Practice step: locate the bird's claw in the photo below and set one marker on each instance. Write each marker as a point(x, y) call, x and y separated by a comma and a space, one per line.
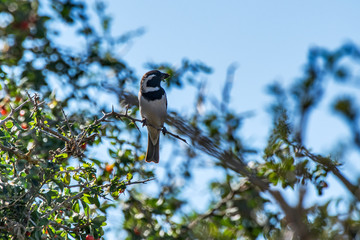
point(163, 130)
point(143, 122)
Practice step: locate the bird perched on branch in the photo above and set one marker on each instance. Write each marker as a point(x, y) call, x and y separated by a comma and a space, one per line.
point(153, 110)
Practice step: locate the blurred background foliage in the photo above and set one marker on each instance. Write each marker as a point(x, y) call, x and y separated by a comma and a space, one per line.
point(53, 188)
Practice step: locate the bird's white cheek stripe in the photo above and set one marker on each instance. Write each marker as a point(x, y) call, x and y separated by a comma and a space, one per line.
point(149, 89)
point(149, 77)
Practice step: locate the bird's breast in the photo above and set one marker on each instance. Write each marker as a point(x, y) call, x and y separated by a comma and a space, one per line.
point(154, 111)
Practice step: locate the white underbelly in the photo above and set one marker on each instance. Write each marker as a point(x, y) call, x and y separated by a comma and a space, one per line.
point(154, 111)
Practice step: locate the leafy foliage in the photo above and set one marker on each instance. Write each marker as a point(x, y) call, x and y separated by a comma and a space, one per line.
point(53, 186)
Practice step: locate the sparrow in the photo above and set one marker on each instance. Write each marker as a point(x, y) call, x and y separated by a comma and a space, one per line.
point(153, 110)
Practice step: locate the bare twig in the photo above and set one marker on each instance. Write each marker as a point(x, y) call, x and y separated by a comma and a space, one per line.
point(140, 181)
point(165, 131)
point(52, 132)
point(106, 116)
point(2, 122)
point(67, 121)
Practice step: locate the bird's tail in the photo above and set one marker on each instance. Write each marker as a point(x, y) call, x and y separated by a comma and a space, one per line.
point(152, 153)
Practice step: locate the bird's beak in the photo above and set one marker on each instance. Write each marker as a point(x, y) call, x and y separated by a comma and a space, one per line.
point(165, 76)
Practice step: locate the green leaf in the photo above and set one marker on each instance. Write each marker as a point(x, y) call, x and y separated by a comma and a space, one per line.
point(105, 206)
point(96, 201)
point(86, 200)
point(67, 178)
point(76, 207)
point(9, 124)
point(43, 221)
point(86, 207)
point(98, 221)
point(62, 155)
point(76, 177)
point(129, 176)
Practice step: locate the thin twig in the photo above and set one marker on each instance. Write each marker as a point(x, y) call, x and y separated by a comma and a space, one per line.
point(165, 131)
point(67, 121)
point(140, 181)
point(105, 117)
point(54, 133)
point(2, 122)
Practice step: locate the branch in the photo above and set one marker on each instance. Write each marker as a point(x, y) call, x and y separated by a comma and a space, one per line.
point(105, 117)
point(205, 144)
point(88, 189)
point(77, 196)
point(165, 131)
point(2, 122)
point(52, 132)
point(208, 146)
point(19, 154)
point(67, 121)
point(140, 181)
point(333, 168)
point(240, 188)
point(74, 229)
point(294, 215)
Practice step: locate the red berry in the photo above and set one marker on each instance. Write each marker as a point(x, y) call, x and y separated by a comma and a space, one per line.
point(24, 126)
point(28, 234)
point(83, 146)
point(109, 168)
point(22, 112)
point(24, 25)
point(90, 237)
point(3, 111)
point(136, 231)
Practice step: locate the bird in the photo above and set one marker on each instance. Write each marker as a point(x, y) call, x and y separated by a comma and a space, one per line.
point(153, 110)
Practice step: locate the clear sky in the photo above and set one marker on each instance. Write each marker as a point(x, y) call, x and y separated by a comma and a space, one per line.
point(269, 41)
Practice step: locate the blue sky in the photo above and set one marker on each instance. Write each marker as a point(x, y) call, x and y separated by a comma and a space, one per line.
point(269, 41)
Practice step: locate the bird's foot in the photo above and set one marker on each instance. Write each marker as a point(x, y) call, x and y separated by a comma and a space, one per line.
point(163, 130)
point(143, 121)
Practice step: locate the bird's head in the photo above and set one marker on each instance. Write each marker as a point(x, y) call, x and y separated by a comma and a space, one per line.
point(151, 80)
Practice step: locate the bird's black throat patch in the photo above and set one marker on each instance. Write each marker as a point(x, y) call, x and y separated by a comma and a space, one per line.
point(154, 82)
point(154, 95)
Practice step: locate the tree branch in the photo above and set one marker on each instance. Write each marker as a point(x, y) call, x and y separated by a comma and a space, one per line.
point(114, 114)
point(19, 154)
point(204, 144)
point(88, 189)
point(2, 122)
point(333, 168)
point(240, 188)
